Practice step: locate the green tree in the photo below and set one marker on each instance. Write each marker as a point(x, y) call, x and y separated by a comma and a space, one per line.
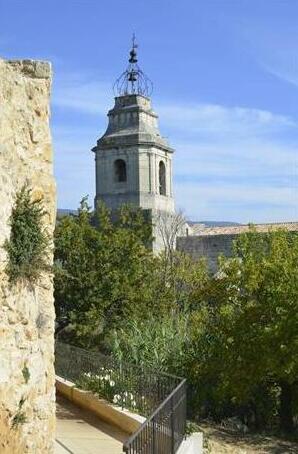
point(233, 335)
point(104, 271)
point(253, 322)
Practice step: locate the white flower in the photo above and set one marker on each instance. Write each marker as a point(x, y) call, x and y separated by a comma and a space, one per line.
point(112, 383)
point(116, 398)
point(134, 404)
point(107, 378)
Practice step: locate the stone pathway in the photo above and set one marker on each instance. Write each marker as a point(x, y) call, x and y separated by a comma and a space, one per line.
point(78, 432)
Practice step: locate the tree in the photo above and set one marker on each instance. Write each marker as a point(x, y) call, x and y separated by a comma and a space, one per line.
point(233, 335)
point(253, 312)
point(168, 226)
point(104, 271)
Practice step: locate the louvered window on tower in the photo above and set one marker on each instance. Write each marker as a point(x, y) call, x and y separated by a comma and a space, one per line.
point(162, 178)
point(120, 171)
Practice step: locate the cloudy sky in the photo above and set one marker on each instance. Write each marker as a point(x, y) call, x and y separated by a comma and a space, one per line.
point(225, 76)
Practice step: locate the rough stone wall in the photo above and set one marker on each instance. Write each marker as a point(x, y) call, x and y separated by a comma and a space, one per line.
point(206, 246)
point(26, 313)
point(210, 245)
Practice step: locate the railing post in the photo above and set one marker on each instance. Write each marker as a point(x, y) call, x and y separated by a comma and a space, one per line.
point(172, 427)
point(153, 437)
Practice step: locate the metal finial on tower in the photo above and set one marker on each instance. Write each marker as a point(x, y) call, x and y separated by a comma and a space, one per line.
point(133, 81)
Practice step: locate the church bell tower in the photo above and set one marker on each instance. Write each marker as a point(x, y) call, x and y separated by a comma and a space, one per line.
point(133, 161)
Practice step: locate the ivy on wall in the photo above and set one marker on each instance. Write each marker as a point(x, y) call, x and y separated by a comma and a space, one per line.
point(28, 245)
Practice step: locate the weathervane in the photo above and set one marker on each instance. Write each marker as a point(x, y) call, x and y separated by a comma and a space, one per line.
point(133, 81)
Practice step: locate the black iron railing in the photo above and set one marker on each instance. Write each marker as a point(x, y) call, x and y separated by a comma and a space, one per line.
point(163, 431)
point(159, 397)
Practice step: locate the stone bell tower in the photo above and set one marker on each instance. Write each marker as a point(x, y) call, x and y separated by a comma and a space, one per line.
point(133, 161)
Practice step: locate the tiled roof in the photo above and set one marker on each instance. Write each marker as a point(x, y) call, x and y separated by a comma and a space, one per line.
point(236, 229)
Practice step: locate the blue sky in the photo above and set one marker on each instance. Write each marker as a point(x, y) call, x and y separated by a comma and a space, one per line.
point(225, 76)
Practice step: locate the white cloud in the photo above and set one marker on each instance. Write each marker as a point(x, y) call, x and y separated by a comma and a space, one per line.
point(232, 163)
point(273, 46)
point(246, 182)
point(259, 158)
point(222, 120)
point(237, 202)
point(75, 92)
point(287, 71)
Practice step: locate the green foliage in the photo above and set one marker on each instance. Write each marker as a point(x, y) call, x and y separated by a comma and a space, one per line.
point(249, 340)
point(119, 390)
point(102, 383)
point(28, 245)
point(18, 419)
point(104, 272)
point(26, 373)
point(158, 343)
point(133, 220)
point(191, 427)
point(22, 401)
point(234, 336)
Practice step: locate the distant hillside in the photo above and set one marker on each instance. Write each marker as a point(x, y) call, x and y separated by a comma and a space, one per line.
point(214, 223)
point(61, 212)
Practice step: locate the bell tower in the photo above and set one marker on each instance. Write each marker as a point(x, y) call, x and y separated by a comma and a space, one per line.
point(133, 161)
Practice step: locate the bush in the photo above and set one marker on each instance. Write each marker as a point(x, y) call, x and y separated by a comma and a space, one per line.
point(28, 245)
point(158, 344)
point(108, 385)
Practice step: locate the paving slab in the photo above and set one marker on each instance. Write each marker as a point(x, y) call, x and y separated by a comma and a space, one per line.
point(79, 432)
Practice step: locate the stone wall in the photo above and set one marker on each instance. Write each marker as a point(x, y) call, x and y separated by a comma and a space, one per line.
point(211, 242)
point(208, 246)
point(27, 399)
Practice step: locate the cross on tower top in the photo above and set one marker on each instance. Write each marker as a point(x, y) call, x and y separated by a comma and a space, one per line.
point(133, 52)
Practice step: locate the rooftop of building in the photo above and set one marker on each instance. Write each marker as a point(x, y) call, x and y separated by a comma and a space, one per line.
point(200, 229)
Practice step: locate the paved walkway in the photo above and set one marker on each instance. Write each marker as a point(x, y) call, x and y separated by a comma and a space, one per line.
point(78, 432)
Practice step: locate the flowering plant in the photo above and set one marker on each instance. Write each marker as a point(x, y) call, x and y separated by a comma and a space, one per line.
point(116, 389)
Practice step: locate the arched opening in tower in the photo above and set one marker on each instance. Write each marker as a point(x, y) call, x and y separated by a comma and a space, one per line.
point(162, 178)
point(120, 171)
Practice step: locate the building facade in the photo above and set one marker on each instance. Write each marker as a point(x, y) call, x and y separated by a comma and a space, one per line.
point(133, 161)
point(134, 166)
point(211, 242)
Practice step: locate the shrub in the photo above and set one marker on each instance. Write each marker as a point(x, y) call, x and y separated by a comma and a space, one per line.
point(26, 373)
point(19, 418)
point(116, 389)
point(28, 245)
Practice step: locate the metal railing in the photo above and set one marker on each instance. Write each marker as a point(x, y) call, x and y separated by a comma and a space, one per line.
point(158, 396)
point(163, 431)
